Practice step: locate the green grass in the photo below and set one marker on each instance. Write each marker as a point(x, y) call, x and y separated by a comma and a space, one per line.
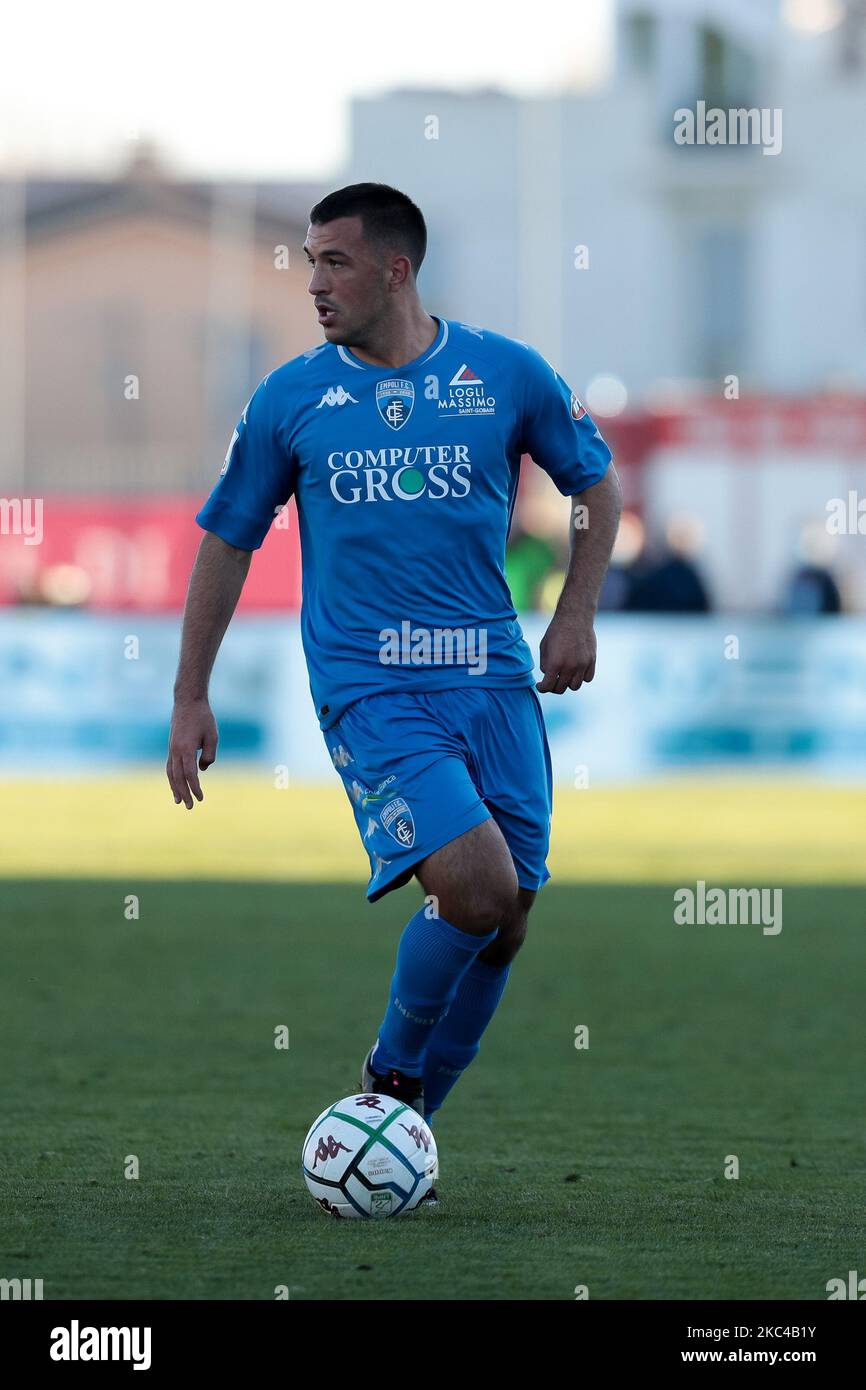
point(558, 1167)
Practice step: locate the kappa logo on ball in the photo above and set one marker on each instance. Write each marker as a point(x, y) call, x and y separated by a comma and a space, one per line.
point(394, 401)
point(373, 1102)
point(577, 410)
point(328, 1148)
point(397, 819)
point(420, 1134)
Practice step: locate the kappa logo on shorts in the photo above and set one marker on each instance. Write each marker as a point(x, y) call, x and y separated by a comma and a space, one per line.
point(341, 756)
point(397, 819)
point(380, 864)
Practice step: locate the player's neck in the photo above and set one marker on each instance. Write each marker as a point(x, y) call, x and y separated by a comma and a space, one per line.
point(399, 342)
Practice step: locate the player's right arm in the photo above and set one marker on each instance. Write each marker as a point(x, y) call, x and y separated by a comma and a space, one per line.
point(256, 481)
point(214, 589)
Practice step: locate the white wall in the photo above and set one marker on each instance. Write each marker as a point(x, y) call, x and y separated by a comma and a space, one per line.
point(509, 188)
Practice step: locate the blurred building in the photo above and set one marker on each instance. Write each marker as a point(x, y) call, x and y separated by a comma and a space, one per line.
point(576, 221)
point(138, 312)
point(173, 284)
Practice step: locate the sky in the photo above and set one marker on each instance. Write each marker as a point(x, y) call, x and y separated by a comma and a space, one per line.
point(261, 89)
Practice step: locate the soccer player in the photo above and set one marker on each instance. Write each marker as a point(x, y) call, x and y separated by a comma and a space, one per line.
point(400, 437)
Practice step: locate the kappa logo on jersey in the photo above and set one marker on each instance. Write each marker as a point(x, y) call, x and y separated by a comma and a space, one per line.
point(397, 819)
point(232, 442)
point(336, 395)
point(394, 401)
point(577, 410)
point(235, 435)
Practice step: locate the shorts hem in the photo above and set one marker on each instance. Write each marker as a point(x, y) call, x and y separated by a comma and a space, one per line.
point(401, 875)
point(536, 884)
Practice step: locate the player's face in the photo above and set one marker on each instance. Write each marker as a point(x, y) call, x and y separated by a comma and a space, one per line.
point(348, 279)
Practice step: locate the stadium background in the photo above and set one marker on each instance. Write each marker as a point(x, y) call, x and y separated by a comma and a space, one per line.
point(709, 306)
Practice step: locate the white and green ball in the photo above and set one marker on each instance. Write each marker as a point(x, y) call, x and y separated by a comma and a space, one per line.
point(369, 1156)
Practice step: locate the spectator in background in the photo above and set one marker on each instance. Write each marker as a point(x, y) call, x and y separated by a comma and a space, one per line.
point(672, 583)
point(529, 560)
point(811, 587)
point(618, 583)
point(537, 553)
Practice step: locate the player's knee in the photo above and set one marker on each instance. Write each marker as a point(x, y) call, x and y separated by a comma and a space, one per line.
point(484, 903)
point(507, 942)
point(490, 913)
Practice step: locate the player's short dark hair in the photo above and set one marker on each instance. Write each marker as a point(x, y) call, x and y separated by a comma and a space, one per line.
point(389, 218)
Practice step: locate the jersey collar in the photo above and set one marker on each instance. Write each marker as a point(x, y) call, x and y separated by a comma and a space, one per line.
point(437, 345)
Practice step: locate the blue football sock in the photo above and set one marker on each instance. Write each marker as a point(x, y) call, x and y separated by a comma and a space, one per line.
point(432, 957)
point(455, 1041)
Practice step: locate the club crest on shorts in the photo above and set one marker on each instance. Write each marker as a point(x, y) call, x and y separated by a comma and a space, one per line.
point(577, 410)
point(394, 401)
point(397, 819)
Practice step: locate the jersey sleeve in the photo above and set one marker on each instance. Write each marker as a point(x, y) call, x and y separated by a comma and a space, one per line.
point(555, 428)
point(257, 478)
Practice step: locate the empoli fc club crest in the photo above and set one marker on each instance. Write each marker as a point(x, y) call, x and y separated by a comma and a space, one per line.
point(397, 819)
point(394, 401)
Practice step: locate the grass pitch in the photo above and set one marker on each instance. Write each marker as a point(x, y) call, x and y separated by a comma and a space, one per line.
point(604, 1167)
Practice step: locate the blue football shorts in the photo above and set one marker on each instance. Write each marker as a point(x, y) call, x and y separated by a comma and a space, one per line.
point(421, 768)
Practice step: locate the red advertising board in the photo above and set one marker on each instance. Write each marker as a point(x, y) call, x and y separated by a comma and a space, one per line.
point(131, 553)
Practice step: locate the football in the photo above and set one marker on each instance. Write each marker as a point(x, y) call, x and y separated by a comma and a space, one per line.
point(369, 1156)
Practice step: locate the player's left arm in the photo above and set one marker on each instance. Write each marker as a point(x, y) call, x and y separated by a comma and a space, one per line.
point(563, 439)
point(568, 648)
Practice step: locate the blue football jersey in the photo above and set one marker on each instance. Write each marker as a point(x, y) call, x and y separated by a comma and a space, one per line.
point(405, 481)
